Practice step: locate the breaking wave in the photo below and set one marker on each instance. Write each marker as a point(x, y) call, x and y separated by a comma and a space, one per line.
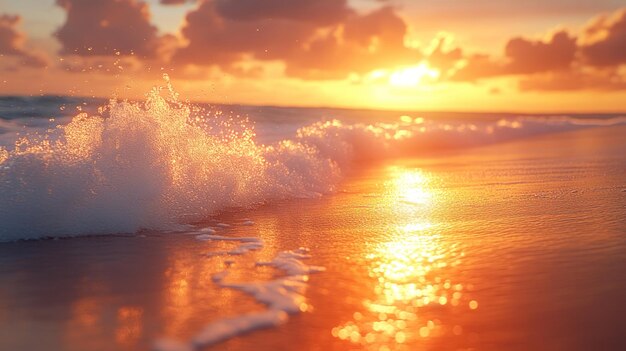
point(162, 162)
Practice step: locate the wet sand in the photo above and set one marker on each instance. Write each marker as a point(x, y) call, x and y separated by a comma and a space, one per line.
point(517, 246)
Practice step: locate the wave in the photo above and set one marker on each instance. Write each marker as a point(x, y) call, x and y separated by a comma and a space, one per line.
point(161, 163)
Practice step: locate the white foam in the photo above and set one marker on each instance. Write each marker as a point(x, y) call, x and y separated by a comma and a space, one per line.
point(246, 244)
point(229, 238)
point(203, 237)
point(292, 263)
point(145, 166)
point(282, 296)
point(245, 247)
point(161, 163)
point(228, 328)
point(286, 293)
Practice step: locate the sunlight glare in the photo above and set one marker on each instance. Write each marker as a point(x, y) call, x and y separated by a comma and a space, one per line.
point(412, 187)
point(413, 76)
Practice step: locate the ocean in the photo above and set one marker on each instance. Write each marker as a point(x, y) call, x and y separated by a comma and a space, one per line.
point(167, 225)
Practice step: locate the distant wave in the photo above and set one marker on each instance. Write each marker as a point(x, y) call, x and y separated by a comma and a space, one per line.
point(159, 163)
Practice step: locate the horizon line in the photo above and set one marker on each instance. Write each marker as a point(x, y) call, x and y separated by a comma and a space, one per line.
point(355, 108)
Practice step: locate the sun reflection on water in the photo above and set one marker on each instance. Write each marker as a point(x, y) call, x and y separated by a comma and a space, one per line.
point(412, 273)
point(130, 325)
point(411, 186)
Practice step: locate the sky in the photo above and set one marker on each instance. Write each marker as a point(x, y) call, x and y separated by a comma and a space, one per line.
point(452, 55)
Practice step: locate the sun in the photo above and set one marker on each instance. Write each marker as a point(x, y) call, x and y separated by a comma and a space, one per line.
point(413, 76)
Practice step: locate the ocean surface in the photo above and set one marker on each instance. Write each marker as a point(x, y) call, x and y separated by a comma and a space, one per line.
point(167, 225)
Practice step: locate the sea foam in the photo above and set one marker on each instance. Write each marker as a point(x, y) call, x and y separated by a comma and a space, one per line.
point(282, 296)
point(162, 163)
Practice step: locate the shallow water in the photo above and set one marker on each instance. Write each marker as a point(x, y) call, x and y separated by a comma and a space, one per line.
point(516, 246)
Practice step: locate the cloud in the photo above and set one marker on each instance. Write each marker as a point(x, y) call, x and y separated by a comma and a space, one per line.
point(215, 40)
point(102, 64)
point(361, 44)
point(318, 39)
point(174, 2)
point(522, 56)
point(534, 56)
point(442, 57)
point(574, 80)
point(326, 39)
point(594, 59)
point(106, 27)
point(10, 39)
point(603, 42)
point(478, 66)
point(12, 42)
point(382, 25)
point(316, 11)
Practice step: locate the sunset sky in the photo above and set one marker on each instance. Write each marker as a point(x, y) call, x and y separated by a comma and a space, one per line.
point(481, 55)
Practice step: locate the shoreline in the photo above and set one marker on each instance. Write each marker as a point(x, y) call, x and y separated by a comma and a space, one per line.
point(506, 224)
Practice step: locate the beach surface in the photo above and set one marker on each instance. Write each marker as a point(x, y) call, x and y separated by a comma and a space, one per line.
point(513, 246)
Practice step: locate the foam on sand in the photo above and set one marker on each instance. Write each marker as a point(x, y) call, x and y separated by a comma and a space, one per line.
point(208, 230)
point(245, 243)
point(225, 329)
point(245, 247)
point(282, 296)
point(286, 293)
point(230, 327)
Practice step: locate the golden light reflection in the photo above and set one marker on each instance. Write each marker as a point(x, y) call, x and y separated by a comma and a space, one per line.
point(129, 325)
point(410, 186)
point(178, 306)
point(412, 274)
point(85, 322)
point(190, 291)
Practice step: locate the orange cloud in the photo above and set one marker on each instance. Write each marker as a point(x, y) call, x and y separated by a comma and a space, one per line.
point(604, 40)
point(478, 66)
point(174, 2)
point(12, 42)
point(593, 60)
point(317, 11)
point(523, 56)
point(315, 39)
point(215, 40)
point(574, 80)
point(318, 40)
point(442, 58)
point(107, 27)
point(362, 43)
point(529, 56)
